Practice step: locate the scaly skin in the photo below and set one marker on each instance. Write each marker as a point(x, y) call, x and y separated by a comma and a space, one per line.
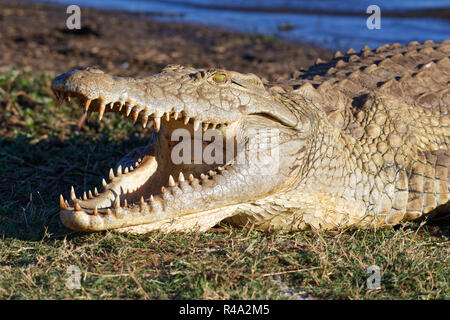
point(362, 140)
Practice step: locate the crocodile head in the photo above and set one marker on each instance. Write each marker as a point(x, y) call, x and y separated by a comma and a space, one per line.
point(195, 170)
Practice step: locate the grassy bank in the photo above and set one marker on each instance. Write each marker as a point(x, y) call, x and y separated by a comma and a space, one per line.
point(43, 152)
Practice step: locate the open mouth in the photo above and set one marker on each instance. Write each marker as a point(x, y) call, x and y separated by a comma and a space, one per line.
point(147, 176)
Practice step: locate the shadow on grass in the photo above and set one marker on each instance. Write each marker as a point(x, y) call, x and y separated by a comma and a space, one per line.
point(35, 173)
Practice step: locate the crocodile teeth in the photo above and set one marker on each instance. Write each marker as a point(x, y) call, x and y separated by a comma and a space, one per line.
point(104, 182)
point(76, 206)
point(144, 121)
point(125, 203)
point(101, 111)
point(128, 111)
point(119, 170)
point(168, 116)
point(171, 181)
point(181, 177)
point(117, 203)
point(135, 116)
point(73, 196)
point(205, 126)
point(111, 174)
point(90, 194)
point(157, 124)
point(176, 115)
point(203, 176)
point(142, 201)
point(108, 211)
point(62, 204)
point(96, 191)
point(95, 211)
point(87, 104)
point(84, 196)
point(197, 125)
point(191, 177)
point(163, 190)
point(186, 120)
point(126, 170)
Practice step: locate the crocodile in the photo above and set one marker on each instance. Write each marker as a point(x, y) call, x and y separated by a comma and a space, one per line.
point(361, 140)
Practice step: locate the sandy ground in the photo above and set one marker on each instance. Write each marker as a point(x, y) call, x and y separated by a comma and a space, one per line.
point(35, 36)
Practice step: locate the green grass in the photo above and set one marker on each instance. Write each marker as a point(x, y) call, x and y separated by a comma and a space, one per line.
point(42, 153)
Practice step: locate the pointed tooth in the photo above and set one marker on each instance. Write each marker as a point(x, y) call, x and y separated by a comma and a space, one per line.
point(117, 202)
point(203, 176)
point(120, 106)
point(163, 190)
point(90, 194)
point(151, 198)
point(168, 116)
point(214, 126)
point(111, 105)
point(62, 204)
point(101, 111)
point(76, 206)
point(128, 111)
point(211, 173)
point(68, 97)
point(220, 168)
point(181, 177)
point(144, 121)
point(126, 170)
point(73, 196)
point(95, 211)
point(142, 201)
point(111, 174)
point(136, 164)
point(104, 182)
point(176, 115)
point(131, 168)
point(157, 124)
point(84, 196)
point(171, 181)
point(96, 191)
point(119, 170)
point(197, 125)
point(125, 203)
point(135, 116)
point(87, 104)
point(205, 126)
point(186, 120)
point(108, 211)
point(191, 177)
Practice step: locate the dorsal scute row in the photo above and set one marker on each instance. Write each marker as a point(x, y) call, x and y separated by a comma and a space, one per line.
point(415, 74)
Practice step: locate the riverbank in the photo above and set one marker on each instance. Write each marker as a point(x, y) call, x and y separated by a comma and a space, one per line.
point(34, 36)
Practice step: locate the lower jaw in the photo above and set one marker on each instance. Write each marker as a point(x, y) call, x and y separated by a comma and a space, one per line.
point(150, 177)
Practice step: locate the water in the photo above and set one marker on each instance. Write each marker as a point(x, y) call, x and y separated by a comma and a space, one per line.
point(335, 24)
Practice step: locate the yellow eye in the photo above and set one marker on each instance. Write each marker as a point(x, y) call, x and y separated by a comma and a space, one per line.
point(220, 78)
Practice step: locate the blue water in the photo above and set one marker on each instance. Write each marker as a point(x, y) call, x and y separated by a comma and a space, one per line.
point(335, 31)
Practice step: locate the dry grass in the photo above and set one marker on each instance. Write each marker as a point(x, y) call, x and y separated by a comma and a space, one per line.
point(42, 154)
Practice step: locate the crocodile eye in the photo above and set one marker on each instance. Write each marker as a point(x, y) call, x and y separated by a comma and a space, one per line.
point(220, 78)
